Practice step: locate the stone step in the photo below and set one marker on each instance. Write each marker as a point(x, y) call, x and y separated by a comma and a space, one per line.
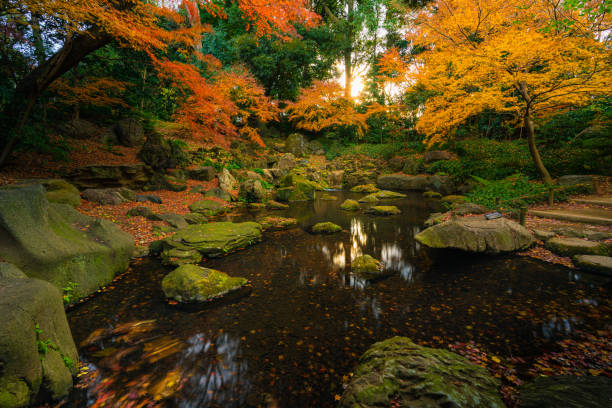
point(585, 215)
point(595, 263)
point(602, 201)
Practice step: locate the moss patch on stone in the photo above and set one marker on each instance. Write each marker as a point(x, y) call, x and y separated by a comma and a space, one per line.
point(384, 210)
point(208, 208)
point(370, 198)
point(326, 228)
point(366, 267)
point(350, 205)
point(365, 188)
point(191, 283)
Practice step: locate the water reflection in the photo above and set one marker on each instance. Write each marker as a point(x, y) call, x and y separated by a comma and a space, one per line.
point(392, 256)
point(216, 374)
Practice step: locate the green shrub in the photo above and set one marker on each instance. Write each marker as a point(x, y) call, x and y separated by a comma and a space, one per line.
point(510, 192)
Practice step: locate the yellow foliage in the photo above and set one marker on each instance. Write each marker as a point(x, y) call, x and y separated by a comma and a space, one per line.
point(519, 56)
point(323, 106)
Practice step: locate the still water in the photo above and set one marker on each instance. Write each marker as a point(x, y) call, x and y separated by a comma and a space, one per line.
point(296, 337)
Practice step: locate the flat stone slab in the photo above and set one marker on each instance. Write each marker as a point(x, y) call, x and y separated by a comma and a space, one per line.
point(595, 263)
point(587, 215)
point(595, 200)
point(575, 246)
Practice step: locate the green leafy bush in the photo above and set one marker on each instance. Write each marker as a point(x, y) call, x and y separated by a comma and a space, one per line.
point(510, 192)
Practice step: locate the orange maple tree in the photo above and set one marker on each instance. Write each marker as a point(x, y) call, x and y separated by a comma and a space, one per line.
point(88, 25)
point(531, 58)
point(323, 106)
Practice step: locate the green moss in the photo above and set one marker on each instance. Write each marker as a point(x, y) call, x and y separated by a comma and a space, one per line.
point(208, 208)
point(190, 283)
point(326, 228)
point(389, 194)
point(384, 210)
point(432, 194)
point(371, 198)
point(328, 197)
point(14, 393)
point(366, 267)
point(350, 205)
point(365, 188)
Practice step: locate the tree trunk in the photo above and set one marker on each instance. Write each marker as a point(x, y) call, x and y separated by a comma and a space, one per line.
point(30, 88)
point(348, 52)
point(535, 154)
point(528, 125)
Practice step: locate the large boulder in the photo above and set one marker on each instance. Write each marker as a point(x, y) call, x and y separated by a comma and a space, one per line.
point(398, 372)
point(161, 154)
point(56, 243)
point(206, 173)
point(129, 132)
point(286, 162)
point(99, 176)
point(79, 129)
point(296, 188)
point(566, 391)
point(477, 235)
point(37, 354)
point(297, 145)
point(350, 205)
point(404, 182)
point(252, 191)
point(227, 182)
point(191, 283)
point(209, 240)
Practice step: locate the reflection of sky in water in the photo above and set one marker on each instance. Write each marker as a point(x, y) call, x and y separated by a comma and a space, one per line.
point(558, 325)
point(217, 376)
point(392, 256)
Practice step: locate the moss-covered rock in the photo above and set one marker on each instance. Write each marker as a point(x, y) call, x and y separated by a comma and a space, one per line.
point(326, 228)
point(365, 188)
point(370, 198)
point(252, 191)
point(413, 376)
point(567, 392)
point(191, 283)
point(61, 192)
point(383, 210)
point(576, 246)
point(195, 218)
point(208, 208)
point(275, 205)
point(477, 235)
point(37, 353)
point(218, 193)
point(453, 199)
point(385, 194)
point(277, 223)
point(350, 205)
point(56, 243)
point(297, 188)
point(210, 240)
point(366, 267)
point(432, 194)
point(297, 145)
point(327, 197)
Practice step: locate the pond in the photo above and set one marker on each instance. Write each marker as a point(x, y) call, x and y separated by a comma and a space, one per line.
point(297, 336)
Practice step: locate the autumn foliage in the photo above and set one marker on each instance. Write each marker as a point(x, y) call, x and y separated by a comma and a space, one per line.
point(531, 58)
point(323, 106)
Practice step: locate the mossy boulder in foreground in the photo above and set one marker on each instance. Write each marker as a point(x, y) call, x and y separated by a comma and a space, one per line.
point(326, 228)
point(413, 376)
point(56, 243)
point(37, 353)
point(192, 284)
point(473, 234)
point(212, 240)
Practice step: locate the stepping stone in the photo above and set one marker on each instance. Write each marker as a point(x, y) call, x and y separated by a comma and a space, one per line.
point(586, 215)
point(366, 267)
point(595, 200)
point(595, 263)
point(543, 235)
point(350, 205)
point(576, 246)
point(326, 228)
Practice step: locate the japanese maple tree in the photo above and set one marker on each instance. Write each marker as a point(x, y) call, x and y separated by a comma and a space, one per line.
point(532, 58)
